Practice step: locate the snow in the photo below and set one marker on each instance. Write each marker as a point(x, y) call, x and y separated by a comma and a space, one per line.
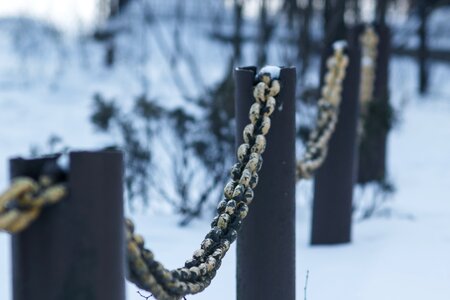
point(273, 71)
point(63, 162)
point(367, 61)
point(339, 45)
point(402, 253)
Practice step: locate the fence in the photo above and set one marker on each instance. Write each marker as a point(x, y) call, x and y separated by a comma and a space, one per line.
point(75, 250)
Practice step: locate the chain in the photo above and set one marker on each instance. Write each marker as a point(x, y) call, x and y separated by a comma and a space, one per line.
point(327, 115)
point(22, 203)
point(199, 270)
point(369, 42)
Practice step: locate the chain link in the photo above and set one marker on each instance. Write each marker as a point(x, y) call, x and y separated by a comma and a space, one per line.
point(327, 114)
point(23, 202)
point(369, 43)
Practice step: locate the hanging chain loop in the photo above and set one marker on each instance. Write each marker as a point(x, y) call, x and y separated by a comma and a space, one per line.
point(327, 114)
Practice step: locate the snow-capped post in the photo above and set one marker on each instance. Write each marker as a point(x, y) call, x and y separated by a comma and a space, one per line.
point(372, 165)
point(266, 242)
point(333, 184)
point(75, 249)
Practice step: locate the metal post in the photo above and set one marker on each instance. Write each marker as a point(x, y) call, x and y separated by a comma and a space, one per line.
point(372, 159)
point(333, 185)
point(266, 243)
point(75, 250)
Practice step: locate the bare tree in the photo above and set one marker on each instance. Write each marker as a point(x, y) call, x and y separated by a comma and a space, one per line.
point(423, 46)
point(304, 41)
point(266, 28)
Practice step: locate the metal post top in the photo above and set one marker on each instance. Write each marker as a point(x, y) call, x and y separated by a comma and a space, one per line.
point(105, 151)
point(58, 164)
point(253, 69)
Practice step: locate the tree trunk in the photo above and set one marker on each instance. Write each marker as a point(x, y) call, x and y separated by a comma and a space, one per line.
point(117, 6)
point(423, 47)
point(237, 37)
point(380, 13)
point(304, 41)
point(264, 34)
point(334, 29)
point(291, 8)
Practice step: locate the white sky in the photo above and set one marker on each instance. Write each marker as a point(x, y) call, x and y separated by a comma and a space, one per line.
point(69, 14)
point(76, 15)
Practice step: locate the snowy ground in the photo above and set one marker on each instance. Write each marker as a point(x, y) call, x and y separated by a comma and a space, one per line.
point(401, 255)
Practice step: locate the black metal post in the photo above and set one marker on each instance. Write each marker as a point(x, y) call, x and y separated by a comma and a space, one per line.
point(333, 185)
point(266, 243)
point(75, 250)
point(372, 155)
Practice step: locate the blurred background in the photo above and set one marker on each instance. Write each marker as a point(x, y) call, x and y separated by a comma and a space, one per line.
point(155, 78)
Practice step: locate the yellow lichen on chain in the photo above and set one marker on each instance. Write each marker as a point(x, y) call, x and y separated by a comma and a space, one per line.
point(22, 203)
point(327, 115)
point(22, 220)
point(369, 43)
point(18, 187)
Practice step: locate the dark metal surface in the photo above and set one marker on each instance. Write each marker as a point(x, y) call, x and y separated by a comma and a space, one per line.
point(381, 92)
point(75, 250)
point(266, 242)
point(333, 185)
point(372, 165)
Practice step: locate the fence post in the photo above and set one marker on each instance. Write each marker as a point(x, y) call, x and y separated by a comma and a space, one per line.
point(75, 250)
point(266, 243)
point(372, 159)
point(333, 185)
